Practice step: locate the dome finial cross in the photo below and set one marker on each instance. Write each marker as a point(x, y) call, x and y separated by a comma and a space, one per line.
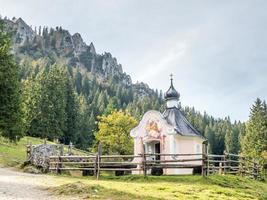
point(172, 96)
point(171, 75)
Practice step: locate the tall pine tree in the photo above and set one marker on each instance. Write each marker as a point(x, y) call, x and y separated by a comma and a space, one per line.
point(10, 104)
point(71, 111)
point(51, 120)
point(254, 142)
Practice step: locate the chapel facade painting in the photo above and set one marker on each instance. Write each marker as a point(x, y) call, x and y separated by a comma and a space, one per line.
point(167, 133)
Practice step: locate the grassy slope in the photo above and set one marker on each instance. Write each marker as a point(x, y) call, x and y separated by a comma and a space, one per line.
point(136, 187)
point(15, 154)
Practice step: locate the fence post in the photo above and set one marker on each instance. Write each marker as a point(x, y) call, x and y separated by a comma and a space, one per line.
point(58, 170)
point(208, 163)
point(144, 161)
point(255, 174)
point(144, 164)
point(99, 152)
point(95, 165)
point(204, 159)
point(220, 168)
point(70, 148)
point(241, 167)
point(224, 163)
point(60, 159)
point(258, 169)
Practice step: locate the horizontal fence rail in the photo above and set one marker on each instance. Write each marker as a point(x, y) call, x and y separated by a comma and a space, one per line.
point(146, 163)
point(208, 164)
point(232, 164)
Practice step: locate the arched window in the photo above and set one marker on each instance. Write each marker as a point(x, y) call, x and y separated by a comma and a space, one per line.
point(173, 145)
point(198, 148)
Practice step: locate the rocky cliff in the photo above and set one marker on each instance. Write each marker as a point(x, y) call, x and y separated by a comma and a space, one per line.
point(59, 44)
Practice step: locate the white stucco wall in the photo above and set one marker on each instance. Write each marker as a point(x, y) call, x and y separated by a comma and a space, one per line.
point(185, 145)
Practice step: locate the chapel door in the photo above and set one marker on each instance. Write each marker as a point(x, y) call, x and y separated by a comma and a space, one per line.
point(157, 150)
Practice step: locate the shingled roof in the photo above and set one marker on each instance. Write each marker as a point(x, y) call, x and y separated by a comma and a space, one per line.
point(175, 118)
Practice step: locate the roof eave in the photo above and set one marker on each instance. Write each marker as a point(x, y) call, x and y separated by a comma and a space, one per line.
point(189, 135)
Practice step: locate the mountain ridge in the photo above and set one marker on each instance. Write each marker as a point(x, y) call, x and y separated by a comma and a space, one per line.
point(59, 44)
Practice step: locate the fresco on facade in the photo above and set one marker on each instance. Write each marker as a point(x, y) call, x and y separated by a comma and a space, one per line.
point(153, 129)
point(152, 126)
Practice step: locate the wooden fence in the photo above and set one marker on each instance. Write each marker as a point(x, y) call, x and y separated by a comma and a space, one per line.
point(206, 164)
point(233, 164)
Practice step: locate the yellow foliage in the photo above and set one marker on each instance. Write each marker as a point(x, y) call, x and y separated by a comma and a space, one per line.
point(114, 132)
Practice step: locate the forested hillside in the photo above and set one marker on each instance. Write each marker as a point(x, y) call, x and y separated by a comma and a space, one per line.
point(66, 84)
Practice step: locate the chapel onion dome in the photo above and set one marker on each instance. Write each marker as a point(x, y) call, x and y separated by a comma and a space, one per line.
point(171, 93)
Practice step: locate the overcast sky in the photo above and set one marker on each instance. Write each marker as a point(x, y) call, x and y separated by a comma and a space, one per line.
point(217, 50)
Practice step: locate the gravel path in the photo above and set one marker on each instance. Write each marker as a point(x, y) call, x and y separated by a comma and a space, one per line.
point(18, 185)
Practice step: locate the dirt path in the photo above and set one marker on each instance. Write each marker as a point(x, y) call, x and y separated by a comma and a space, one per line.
point(18, 185)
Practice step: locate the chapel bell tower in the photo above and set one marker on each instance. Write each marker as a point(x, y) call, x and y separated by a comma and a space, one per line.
point(172, 96)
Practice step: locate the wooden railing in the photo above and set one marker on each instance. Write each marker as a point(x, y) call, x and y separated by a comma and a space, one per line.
point(93, 164)
point(142, 163)
point(233, 164)
point(206, 164)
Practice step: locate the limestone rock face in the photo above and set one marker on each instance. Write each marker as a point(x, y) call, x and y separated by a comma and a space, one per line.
point(127, 80)
point(142, 89)
point(110, 65)
point(24, 30)
point(63, 43)
point(21, 33)
point(40, 155)
point(92, 48)
point(78, 44)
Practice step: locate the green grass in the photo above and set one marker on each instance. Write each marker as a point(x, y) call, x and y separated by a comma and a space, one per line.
point(95, 191)
point(136, 186)
point(163, 187)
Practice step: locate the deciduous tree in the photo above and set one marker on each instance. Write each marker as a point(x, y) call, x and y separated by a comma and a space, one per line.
point(114, 132)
